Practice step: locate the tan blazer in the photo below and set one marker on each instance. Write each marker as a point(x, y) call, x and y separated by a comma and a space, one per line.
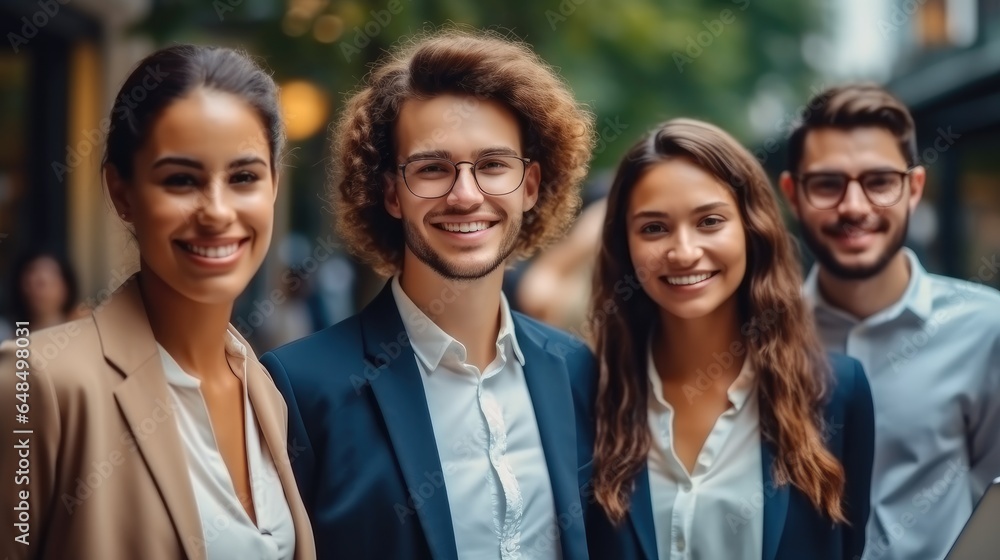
point(103, 474)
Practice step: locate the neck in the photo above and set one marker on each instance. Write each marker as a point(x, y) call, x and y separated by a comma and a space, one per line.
point(864, 298)
point(689, 347)
point(468, 310)
point(193, 333)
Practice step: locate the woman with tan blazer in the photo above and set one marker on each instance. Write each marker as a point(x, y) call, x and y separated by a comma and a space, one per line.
point(149, 430)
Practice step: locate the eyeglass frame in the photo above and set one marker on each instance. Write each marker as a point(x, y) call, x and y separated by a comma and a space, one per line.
point(904, 175)
point(524, 173)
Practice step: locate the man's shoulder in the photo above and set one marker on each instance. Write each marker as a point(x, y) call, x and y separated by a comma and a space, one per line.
point(968, 299)
point(336, 344)
point(555, 340)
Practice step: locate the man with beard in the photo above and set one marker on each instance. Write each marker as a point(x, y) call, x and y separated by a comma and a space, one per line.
point(436, 423)
point(930, 344)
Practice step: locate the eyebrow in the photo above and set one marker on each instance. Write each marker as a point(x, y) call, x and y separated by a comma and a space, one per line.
point(189, 162)
point(476, 154)
point(698, 210)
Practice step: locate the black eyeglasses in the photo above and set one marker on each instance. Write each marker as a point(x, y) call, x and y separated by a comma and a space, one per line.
point(435, 177)
point(826, 189)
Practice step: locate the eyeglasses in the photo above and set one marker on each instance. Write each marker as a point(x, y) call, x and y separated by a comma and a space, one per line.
point(435, 177)
point(825, 190)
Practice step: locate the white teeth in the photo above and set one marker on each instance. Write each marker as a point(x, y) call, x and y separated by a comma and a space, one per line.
point(687, 280)
point(213, 252)
point(465, 227)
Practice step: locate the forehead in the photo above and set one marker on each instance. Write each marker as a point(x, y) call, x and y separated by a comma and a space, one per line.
point(851, 150)
point(458, 124)
point(206, 123)
point(677, 186)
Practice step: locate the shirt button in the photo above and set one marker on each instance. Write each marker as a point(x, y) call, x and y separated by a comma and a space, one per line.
point(686, 486)
point(510, 546)
point(679, 543)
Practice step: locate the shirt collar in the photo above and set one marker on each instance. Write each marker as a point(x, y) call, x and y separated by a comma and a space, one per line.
point(236, 352)
point(430, 343)
point(918, 297)
point(739, 391)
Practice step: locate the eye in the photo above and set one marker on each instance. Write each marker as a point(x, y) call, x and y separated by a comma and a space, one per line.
point(653, 228)
point(243, 177)
point(712, 221)
point(180, 180)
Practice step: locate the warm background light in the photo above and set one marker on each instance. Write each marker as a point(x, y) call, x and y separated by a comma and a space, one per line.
point(305, 108)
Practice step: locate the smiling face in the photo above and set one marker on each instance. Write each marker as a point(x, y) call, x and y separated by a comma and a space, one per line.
point(202, 196)
point(466, 234)
point(686, 239)
point(854, 239)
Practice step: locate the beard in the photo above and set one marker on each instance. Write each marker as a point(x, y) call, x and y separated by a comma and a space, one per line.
point(828, 260)
point(419, 246)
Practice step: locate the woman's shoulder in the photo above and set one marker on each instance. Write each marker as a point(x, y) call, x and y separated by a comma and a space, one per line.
point(60, 354)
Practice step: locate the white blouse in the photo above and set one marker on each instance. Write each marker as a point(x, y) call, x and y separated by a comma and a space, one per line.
point(227, 530)
point(716, 511)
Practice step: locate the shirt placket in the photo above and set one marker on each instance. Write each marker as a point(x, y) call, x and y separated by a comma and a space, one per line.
point(507, 525)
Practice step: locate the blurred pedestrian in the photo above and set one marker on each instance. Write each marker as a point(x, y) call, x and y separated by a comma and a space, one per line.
point(722, 428)
point(930, 344)
point(154, 432)
point(44, 290)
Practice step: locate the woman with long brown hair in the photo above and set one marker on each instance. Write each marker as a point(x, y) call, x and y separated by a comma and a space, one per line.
point(722, 430)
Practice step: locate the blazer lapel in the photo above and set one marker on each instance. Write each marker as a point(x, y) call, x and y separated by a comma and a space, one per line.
point(641, 515)
point(399, 391)
point(551, 398)
point(775, 504)
point(128, 344)
point(269, 410)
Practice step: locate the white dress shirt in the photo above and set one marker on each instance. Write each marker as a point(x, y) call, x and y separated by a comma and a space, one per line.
point(494, 468)
point(228, 531)
point(715, 512)
point(933, 362)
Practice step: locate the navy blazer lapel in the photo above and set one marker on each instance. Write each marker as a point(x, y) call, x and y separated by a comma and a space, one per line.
point(641, 514)
point(399, 390)
point(775, 503)
point(551, 398)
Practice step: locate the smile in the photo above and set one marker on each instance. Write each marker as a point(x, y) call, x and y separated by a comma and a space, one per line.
point(464, 227)
point(689, 280)
point(219, 252)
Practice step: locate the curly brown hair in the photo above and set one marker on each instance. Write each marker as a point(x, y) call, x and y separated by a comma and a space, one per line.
point(794, 377)
point(557, 133)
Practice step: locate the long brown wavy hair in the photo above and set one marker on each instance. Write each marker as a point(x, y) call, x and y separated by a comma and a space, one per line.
point(793, 374)
point(556, 131)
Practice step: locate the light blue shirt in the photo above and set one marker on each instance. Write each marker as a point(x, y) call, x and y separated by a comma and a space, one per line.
point(933, 361)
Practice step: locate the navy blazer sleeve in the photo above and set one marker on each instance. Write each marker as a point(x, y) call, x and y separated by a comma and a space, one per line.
point(858, 456)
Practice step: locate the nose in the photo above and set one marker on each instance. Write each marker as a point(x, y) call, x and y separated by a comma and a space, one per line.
point(855, 202)
point(215, 210)
point(465, 194)
point(683, 251)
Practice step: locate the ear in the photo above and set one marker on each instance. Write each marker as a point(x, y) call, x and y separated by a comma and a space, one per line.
point(918, 179)
point(275, 181)
point(391, 197)
point(118, 189)
point(787, 184)
point(532, 180)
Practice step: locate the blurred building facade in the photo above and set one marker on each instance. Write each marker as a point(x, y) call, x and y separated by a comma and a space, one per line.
point(59, 72)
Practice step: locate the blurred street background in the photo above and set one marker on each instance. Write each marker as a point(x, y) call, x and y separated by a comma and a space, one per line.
point(746, 65)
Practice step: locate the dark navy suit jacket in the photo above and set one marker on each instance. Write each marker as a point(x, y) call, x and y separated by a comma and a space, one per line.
point(793, 528)
point(362, 445)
